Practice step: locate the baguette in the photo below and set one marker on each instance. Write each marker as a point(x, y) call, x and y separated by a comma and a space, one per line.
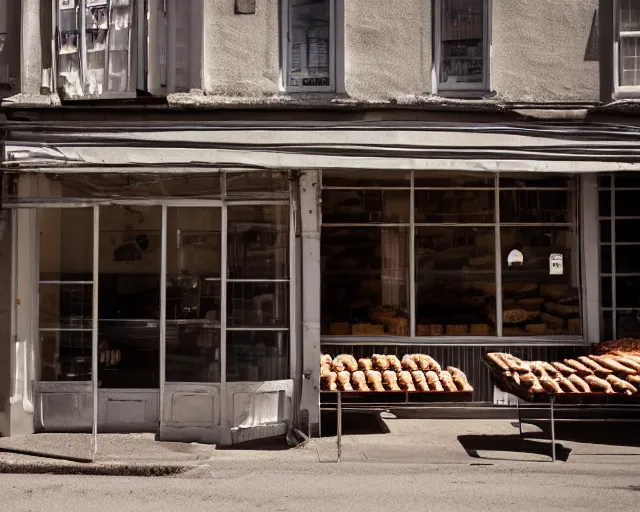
point(419, 380)
point(433, 381)
point(531, 382)
point(497, 360)
point(390, 380)
point(579, 383)
point(566, 384)
point(447, 381)
point(539, 369)
point(550, 385)
point(614, 365)
point(365, 364)
point(598, 383)
point(394, 363)
point(627, 361)
point(634, 379)
point(622, 385)
point(590, 363)
point(515, 364)
point(550, 369)
point(459, 379)
point(563, 368)
point(578, 366)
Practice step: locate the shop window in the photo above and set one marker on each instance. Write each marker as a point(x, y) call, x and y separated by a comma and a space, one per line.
point(309, 44)
point(65, 293)
point(258, 293)
point(102, 51)
point(619, 252)
point(472, 236)
point(627, 46)
point(462, 48)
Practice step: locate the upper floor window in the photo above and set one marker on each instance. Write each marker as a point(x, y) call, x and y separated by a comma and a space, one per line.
point(9, 47)
point(309, 45)
point(627, 46)
point(462, 54)
point(116, 48)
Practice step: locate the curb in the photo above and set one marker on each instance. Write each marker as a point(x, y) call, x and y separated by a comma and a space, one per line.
point(94, 469)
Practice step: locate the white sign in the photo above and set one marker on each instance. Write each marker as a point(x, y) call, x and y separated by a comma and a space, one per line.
point(556, 264)
point(515, 258)
point(67, 4)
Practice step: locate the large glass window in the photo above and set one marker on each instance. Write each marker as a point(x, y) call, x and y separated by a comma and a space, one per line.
point(463, 45)
point(619, 252)
point(467, 238)
point(310, 44)
point(65, 293)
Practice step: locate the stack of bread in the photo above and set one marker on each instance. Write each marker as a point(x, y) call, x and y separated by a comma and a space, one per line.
point(415, 372)
point(610, 373)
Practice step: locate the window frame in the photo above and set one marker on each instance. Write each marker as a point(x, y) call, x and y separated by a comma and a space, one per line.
point(578, 267)
point(285, 51)
point(622, 91)
point(461, 89)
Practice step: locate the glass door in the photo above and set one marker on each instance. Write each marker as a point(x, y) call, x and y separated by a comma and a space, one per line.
point(193, 295)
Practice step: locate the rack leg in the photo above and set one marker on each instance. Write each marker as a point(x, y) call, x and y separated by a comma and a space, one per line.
point(519, 416)
point(553, 430)
point(339, 433)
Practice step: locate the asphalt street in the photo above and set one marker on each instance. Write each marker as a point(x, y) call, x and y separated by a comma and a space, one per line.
point(356, 486)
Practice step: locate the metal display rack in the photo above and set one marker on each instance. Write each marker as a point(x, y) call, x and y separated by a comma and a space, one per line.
point(608, 402)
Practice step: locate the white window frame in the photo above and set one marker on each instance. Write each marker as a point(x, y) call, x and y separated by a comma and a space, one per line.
point(624, 91)
point(285, 37)
point(462, 88)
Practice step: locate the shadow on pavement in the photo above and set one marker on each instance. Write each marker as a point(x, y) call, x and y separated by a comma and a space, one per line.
point(605, 433)
point(353, 424)
point(510, 443)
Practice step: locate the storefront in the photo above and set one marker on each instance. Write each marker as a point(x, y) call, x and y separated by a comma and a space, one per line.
point(175, 291)
point(186, 280)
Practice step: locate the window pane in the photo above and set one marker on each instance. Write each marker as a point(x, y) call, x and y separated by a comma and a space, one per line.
point(628, 203)
point(365, 271)
point(455, 206)
point(455, 281)
point(627, 324)
point(258, 305)
point(605, 259)
point(357, 178)
point(257, 182)
point(129, 289)
point(258, 242)
point(605, 231)
point(365, 206)
point(193, 352)
point(65, 304)
point(627, 258)
point(462, 54)
point(604, 202)
point(256, 356)
point(539, 298)
point(628, 180)
point(534, 206)
point(604, 180)
point(628, 292)
point(627, 231)
point(607, 325)
point(629, 61)
point(310, 34)
point(606, 292)
point(629, 15)
point(459, 180)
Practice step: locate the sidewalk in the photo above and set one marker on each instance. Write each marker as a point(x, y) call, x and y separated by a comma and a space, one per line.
point(468, 442)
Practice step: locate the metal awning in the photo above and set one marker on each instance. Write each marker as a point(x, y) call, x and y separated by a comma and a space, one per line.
point(390, 146)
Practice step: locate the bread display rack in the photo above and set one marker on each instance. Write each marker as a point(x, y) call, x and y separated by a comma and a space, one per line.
point(609, 379)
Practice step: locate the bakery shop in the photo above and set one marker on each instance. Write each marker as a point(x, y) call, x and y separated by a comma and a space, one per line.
point(188, 282)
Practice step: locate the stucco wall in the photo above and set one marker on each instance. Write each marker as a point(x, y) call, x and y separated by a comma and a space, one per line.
point(6, 345)
point(387, 48)
point(241, 52)
point(540, 51)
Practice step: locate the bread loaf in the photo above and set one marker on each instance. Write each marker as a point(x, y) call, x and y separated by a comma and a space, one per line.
point(405, 381)
point(531, 381)
point(325, 359)
point(578, 366)
point(479, 329)
point(374, 380)
point(328, 382)
point(561, 367)
point(621, 385)
point(614, 365)
point(365, 364)
point(626, 361)
point(457, 330)
point(429, 330)
point(459, 379)
point(408, 363)
point(325, 369)
point(390, 380)
point(344, 381)
point(359, 381)
point(497, 360)
point(419, 380)
point(367, 330)
point(579, 383)
point(550, 385)
point(340, 329)
point(394, 363)
point(597, 383)
point(566, 384)
point(596, 367)
point(433, 381)
point(447, 381)
point(380, 362)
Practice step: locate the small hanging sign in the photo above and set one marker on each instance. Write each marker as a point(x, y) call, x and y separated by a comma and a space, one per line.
point(556, 264)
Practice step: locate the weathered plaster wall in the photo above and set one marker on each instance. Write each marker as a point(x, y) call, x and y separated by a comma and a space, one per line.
point(241, 52)
point(387, 48)
point(6, 345)
point(540, 51)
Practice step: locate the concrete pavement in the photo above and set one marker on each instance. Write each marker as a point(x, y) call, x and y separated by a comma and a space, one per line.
point(366, 439)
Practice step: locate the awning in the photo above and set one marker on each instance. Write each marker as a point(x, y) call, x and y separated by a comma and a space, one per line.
point(390, 146)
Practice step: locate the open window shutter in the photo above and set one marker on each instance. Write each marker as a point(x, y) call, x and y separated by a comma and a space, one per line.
point(179, 43)
point(156, 42)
